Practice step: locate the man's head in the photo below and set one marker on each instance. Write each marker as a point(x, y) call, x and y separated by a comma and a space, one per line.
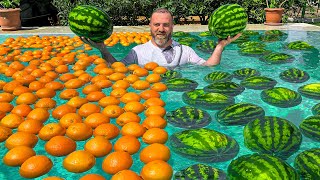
point(161, 27)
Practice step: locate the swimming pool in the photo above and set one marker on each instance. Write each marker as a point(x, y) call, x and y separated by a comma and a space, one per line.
point(232, 60)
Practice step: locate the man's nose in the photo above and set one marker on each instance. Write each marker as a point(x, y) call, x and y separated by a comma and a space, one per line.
point(161, 27)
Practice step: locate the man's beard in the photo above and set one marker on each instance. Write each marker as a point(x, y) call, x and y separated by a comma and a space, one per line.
point(162, 40)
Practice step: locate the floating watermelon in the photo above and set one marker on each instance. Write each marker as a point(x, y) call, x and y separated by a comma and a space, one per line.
point(277, 58)
point(170, 74)
point(316, 109)
point(294, 75)
point(228, 20)
point(310, 90)
point(90, 22)
point(258, 82)
point(307, 164)
point(299, 45)
point(181, 84)
point(228, 88)
point(217, 76)
point(245, 72)
point(281, 97)
point(200, 171)
point(310, 127)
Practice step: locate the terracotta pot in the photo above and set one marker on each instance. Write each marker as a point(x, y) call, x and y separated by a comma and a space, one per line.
point(10, 19)
point(273, 16)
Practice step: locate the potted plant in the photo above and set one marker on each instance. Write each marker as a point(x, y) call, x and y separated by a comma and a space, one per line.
point(274, 11)
point(10, 15)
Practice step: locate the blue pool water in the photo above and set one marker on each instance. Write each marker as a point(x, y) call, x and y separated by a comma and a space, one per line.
point(231, 61)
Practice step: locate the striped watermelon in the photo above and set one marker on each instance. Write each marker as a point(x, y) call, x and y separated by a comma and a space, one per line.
point(188, 117)
point(207, 46)
point(217, 76)
point(245, 72)
point(260, 167)
point(310, 127)
point(228, 88)
point(299, 45)
point(258, 82)
point(181, 84)
point(180, 34)
point(253, 51)
point(251, 44)
point(274, 32)
point(272, 135)
point(316, 109)
point(277, 58)
point(213, 101)
point(281, 97)
point(294, 75)
point(91, 22)
point(310, 90)
point(239, 114)
point(205, 33)
point(200, 171)
point(307, 164)
point(170, 74)
point(250, 33)
point(204, 145)
point(228, 20)
point(269, 38)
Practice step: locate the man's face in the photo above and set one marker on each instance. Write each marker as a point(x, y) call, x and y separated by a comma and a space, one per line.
point(161, 27)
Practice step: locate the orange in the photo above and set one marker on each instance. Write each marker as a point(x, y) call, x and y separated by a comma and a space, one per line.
point(133, 129)
point(116, 76)
point(21, 139)
point(132, 67)
point(69, 119)
point(126, 174)
point(132, 78)
point(117, 161)
point(154, 102)
point(95, 96)
point(26, 98)
point(117, 64)
point(155, 135)
point(74, 83)
point(121, 69)
point(45, 79)
point(45, 103)
point(92, 177)
point(121, 84)
point(95, 119)
point(11, 121)
point(146, 94)
point(90, 88)
point(39, 114)
point(153, 78)
point(79, 161)
point(150, 66)
point(85, 77)
point(66, 77)
point(99, 146)
point(88, 108)
point(141, 85)
point(68, 93)
point(52, 178)
point(50, 130)
point(106, 71)
point(159, 70)
point(127, 117)
point(35, 166)
point(118, 92)
point(155, 110)
point(10, 86)
point(112, 111)
point(155, 151)
point(156, 170)
point(61, 110)
point(77, 101)
point(109, 100)
point(140, 72)
point(79, 131)
point(159, 86)
point(128, 144)
point(154, 121)
point(98, 78)
point(6, 97)
point(21, 89)
point(31, 126)
point(54, 85)
point(22, 110)
point(130, 96)
point(105, 83)
point(36, 85)
point(107, 130)
point(60, 146)
point(5, 107)
point(5, 132)
point(134, 106)
point(17, 155)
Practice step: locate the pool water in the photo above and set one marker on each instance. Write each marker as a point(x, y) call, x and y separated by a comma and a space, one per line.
point(231, 61)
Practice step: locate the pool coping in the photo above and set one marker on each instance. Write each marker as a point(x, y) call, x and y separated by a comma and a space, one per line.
point(185, 28)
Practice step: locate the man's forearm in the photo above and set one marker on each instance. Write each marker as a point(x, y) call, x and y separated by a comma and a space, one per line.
point(107, 55)
point(215, 58)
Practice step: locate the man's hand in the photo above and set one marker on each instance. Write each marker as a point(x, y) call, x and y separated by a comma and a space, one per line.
point(98, 45)
point(227, 41)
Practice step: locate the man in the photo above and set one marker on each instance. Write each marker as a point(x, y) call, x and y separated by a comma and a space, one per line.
point(161, 48)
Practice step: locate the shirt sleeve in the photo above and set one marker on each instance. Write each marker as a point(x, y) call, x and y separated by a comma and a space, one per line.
point(131, 58)
point(193, 57)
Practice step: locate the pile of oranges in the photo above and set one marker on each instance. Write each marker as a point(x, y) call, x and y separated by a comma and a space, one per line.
point(127, 38)
point(115, 109)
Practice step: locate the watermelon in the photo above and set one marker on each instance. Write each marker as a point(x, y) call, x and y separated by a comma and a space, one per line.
point(204, 145)
point(253, 51)
point(212, 101)
point(217, 76)
point(228, 88)
point(299, 45)
point(310, 127)
point(170, 74)
point(307, 164)
point(239, 114)
point(310, 90)
point(180, 34)
point(90, 22)
point(260, 166)
point(269, 38)
point(277, 58)
point(316, 109)
point(272, 135)
point(251, 44)
point(245, 72)
point(207, 46)
point(188, 117)
point(181, 84)
point(274, 32)
point(228, 20)
point(281, 97)
point(294, 75)
point(200, 171)
point(250, 33)
point(205, 33)
point(258, 82)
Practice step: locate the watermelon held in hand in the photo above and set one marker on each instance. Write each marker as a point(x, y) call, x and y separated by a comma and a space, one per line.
point(228, 20)
point(90, 22)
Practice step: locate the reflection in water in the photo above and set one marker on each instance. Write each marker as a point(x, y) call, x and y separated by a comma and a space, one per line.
point(311, 58)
